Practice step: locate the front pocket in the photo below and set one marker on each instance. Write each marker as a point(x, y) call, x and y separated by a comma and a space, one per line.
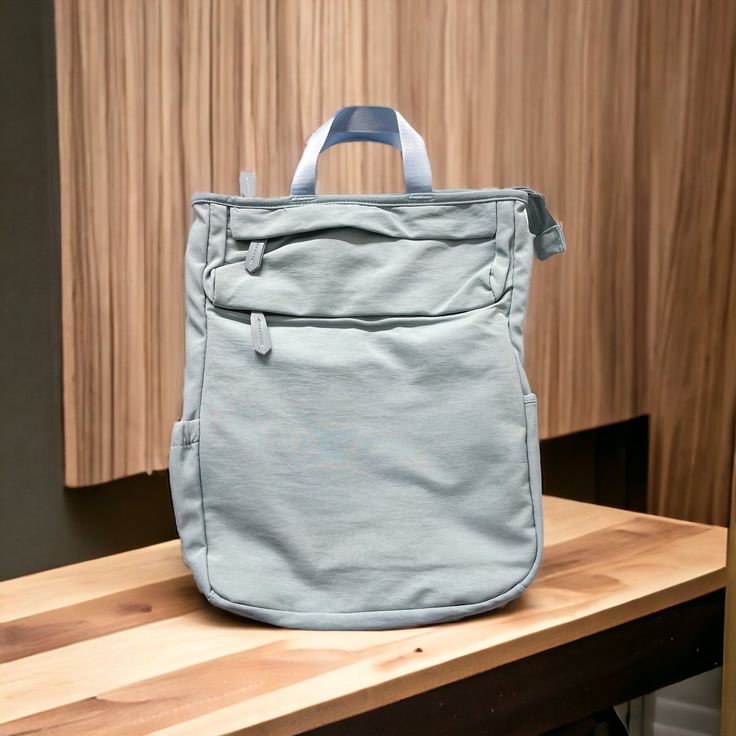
point(352, 272)
point(365, 464)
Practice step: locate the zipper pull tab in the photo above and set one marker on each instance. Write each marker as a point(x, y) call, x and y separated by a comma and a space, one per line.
point(247, 181)
point(259, 333)
point(254, 256)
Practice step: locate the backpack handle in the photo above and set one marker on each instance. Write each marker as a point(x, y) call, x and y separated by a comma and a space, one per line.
point(365, 123)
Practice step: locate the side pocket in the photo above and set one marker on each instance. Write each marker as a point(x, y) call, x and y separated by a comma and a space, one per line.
point(535, 468)
point(186, 495)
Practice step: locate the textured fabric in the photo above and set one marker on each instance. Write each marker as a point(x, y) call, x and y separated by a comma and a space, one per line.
point(379, 465)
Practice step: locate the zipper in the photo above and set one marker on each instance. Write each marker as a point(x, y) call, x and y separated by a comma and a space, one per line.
point(254, 256)
point(259, 333)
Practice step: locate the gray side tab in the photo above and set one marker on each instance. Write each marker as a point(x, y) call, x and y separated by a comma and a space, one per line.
point(254, 256)
point(548, 237)
point(259, 333)
point(550, 242)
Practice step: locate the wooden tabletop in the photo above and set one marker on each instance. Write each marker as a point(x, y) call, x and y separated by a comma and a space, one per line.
point(125, 644)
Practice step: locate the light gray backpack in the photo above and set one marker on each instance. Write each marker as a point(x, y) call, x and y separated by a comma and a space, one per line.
point(358, 447)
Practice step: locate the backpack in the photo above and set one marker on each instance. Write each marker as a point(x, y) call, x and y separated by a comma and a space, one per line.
point(358, 446)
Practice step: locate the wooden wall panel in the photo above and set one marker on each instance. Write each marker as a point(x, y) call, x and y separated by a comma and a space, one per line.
point(161, 98)
point(564, 125)
point(686, 230)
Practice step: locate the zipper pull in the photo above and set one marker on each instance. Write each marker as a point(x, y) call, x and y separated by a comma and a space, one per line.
point(259, 334)
point(254, 256)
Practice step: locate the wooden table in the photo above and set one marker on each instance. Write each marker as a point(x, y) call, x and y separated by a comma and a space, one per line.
point(124, 645)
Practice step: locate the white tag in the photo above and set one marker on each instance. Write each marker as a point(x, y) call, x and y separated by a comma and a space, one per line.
point(247, 183)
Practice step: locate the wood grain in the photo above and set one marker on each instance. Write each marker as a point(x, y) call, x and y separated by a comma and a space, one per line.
point(565, 684)
point(107, 614)
point(160, 99)
point(182, 670)
point(72, 584)
point(622, 111)
point(686, 234)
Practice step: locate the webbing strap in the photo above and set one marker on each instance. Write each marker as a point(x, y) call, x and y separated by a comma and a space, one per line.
point(365, 123)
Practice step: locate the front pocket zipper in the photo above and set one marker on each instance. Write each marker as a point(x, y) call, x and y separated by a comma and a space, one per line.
point(254, 256)
point(259, 333)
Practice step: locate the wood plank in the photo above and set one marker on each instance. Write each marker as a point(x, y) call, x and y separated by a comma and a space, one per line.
point(180, 695)
point(101, 616)
point(561, 526)
point(525, 628)
point(42, 682)
point(561, 685)
point(66, 586)
point(86, 669)
point(187, 692)
point(602, 567)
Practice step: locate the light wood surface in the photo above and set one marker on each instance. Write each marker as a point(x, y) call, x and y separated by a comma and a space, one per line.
point(124, 645)
point(622, 111)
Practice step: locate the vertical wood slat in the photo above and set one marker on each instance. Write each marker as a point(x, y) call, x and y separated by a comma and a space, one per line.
point(686, 233)
point(162, 98)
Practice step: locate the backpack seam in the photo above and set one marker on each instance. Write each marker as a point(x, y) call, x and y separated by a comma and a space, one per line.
point(482, 602)
point(493, 263)
point(201, 397)
point(238, 205)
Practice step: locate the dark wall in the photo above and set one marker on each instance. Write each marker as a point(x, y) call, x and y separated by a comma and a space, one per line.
point(42, 524)
point(607, 465)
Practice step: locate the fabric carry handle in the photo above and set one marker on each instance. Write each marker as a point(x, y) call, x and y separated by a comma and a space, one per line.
point(365, 123)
